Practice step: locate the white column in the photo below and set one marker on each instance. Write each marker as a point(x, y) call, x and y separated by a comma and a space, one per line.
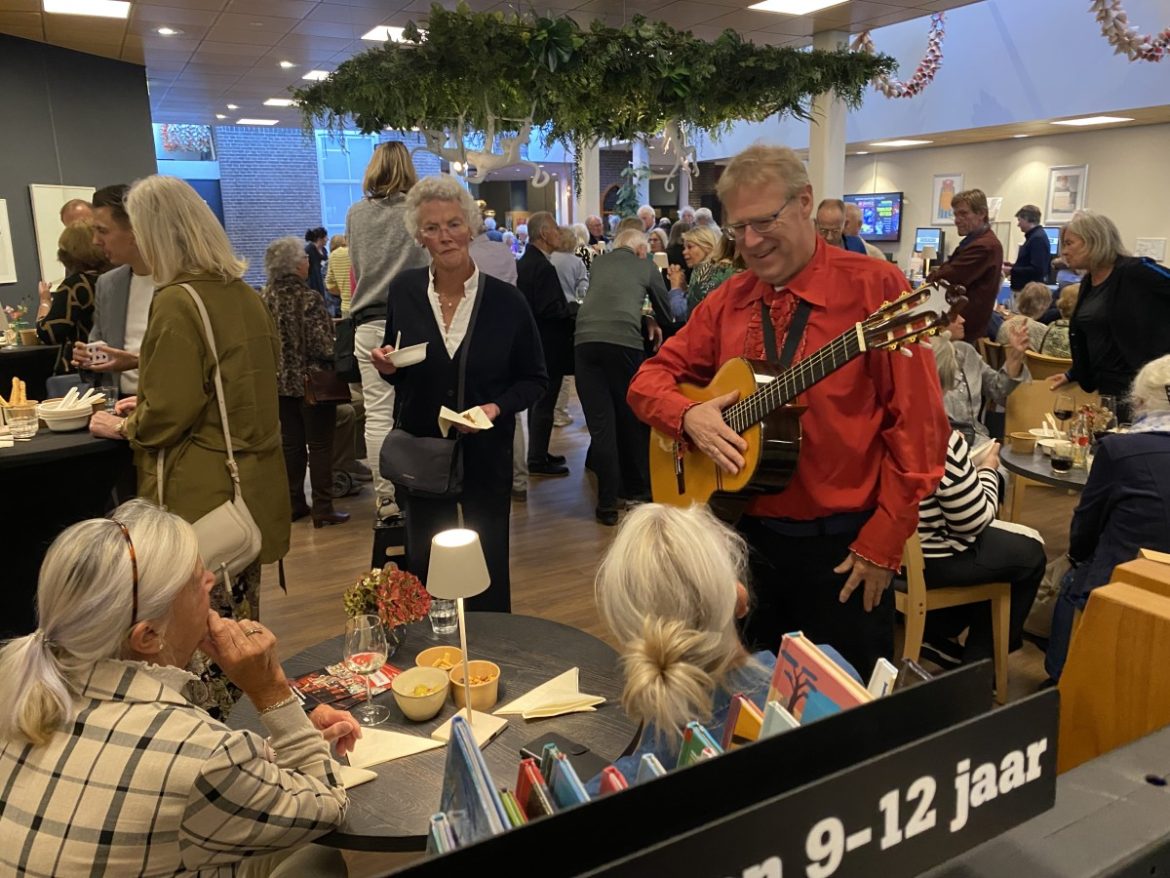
point(641, 157)
point(683, 184)
point(589, 201)
point(826, 143)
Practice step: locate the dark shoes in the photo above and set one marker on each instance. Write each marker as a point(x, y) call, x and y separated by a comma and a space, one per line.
point(608, 517)
point(324, 519)
point(549, 467)
point(555, 458)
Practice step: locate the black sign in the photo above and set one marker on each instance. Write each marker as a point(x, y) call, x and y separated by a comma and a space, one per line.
point(895, 814)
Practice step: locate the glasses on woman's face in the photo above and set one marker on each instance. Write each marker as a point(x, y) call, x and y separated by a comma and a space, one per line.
point(453, 228)
point(760, 226)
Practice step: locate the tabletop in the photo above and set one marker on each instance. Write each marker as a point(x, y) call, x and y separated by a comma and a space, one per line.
point(1035, 466)
point(49, 447)
point(391, 813)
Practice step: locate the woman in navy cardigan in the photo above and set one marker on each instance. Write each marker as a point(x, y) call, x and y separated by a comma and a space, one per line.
point(505, 374)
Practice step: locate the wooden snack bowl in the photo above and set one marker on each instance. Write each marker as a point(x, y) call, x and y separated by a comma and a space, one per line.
point(483, 695)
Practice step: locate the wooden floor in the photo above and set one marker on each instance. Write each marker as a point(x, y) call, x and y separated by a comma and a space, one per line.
point(556, 545)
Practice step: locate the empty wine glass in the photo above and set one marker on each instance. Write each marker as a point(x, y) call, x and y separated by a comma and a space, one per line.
point(1062, 408)
point(365, 653)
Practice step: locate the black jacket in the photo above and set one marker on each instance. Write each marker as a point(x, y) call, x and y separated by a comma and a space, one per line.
point(1033, 260)
point(537, 279)
point(1139, 318)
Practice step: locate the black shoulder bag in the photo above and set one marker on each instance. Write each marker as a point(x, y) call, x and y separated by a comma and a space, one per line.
point(427, 467)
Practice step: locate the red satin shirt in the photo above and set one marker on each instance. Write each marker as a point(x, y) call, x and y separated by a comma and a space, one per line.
point(875, 432)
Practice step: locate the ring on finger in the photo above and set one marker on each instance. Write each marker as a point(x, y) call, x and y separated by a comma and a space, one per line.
point(252, 632)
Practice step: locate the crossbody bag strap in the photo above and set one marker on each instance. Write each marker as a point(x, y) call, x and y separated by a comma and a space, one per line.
point(466, 344)
point(792, 338)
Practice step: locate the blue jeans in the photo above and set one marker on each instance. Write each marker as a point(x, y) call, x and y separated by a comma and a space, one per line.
point(1073, 596)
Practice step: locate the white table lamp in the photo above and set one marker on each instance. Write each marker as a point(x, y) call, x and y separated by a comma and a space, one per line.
point(457, 571)
point(929, 254)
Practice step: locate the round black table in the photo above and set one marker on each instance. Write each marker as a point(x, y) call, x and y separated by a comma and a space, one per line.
point(46, 484)
point(1035, 466)
point(391, 813)
point(32, 364)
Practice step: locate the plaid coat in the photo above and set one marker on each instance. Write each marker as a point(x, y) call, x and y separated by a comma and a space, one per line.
point(143, 783)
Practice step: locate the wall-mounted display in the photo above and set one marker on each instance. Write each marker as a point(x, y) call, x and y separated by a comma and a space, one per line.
point(1067, 186)
point(881, 215)
point(946, 186)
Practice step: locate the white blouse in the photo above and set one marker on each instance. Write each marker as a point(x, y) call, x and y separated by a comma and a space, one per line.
point(453, 337)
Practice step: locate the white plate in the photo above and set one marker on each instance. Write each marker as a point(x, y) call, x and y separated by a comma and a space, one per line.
point(1041, 433)
point(409, 356)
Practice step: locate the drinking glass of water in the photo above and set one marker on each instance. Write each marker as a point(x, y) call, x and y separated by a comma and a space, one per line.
point(444, 616)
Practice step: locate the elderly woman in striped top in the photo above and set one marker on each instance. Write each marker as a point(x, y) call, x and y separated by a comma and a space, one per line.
point(963, 544)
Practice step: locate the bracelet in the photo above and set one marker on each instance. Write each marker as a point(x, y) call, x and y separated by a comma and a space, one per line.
point(121, 428)
point(284, 702)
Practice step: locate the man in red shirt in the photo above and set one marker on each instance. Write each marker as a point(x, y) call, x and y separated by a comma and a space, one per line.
point(875, 432)
point(977, 262)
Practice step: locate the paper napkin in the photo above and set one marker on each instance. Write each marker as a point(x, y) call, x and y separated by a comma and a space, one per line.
point(473, 417)
point(351, 777)
point(376, 746)
point(559, 695)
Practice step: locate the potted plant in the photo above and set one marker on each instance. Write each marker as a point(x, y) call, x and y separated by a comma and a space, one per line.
point(395, 596)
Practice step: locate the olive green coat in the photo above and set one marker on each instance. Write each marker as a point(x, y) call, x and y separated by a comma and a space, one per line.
point(177, 409)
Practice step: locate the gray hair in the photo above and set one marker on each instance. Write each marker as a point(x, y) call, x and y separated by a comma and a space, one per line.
point(537, 223)
point(581, 231)
point(631, 238)
point(84, 608)
point(1102, 239)
point(666, 589)
point(660, 234)
point(646, 208)
point(489, 223)
point(1150, 392)
point(760, 165)
point(704, 215)
point(684, 210)
point(945, 359)
point(283, 256)
point(522, 228)
point(439, 187)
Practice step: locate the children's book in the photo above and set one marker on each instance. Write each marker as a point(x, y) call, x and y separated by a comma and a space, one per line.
point(649, 768)
point(567, 789)
point(612, 780)
point(810, 684)
point(512, 808)
point(695, 740)
point(532, 792)
point(881, 681)
point(469, 797)
point(744, 721)
point(776, 720)
point(440, 839)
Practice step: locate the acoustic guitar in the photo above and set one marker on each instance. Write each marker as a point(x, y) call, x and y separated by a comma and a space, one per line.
point(764, 415)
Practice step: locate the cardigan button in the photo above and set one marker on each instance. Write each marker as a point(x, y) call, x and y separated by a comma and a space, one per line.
point(450, 393)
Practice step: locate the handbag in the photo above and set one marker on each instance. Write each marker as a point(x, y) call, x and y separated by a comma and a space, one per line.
point(325, 386)
point(345, 363)
point(428, 467)
point(228, 537)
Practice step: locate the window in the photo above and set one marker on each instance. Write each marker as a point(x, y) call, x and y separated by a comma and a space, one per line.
point(341, 164)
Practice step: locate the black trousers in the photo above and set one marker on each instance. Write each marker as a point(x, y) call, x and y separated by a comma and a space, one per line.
point(795, 589)
point(619, 446)
point(540, 414)
point(995, 556)
point(308, 426)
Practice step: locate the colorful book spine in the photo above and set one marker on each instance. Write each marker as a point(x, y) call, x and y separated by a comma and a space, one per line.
point(810, 684)
point(468, 796)
point(695, 740)
point(777, 719)
point(440, 838)
point(532, 792)
point(744, 721)
point(567, 789)
point(612, 781)
point(649, 768)
point(512, 808)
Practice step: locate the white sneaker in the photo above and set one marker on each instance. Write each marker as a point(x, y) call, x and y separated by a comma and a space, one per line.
point(388, 509)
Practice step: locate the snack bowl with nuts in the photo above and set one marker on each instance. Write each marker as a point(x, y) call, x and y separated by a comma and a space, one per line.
point(420, 692)
point(485, 684)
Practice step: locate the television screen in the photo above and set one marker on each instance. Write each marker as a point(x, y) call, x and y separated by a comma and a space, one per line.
point(1053, 233)
point(881, 215)
point(930, 237)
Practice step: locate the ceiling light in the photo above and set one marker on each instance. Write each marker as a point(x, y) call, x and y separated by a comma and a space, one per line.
point(862, 152)
point(901, 142)
point(100, 8)
point(795, 7)
point(1020, 136)
point(279, 102)
point(257, 121)
point(457, 167)
point(168, 32)
point(1093, 120)
point(316, 75)
point(220, 116)
point(287, 65)
point(233, 106)
point(382, 33)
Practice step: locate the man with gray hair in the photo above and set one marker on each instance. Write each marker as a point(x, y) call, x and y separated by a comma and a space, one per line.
point(852, 236)
point(704, 217)
point(648, 217)
point(76, 210)
point(493, 234)
point(596, 229)
point(686, 214)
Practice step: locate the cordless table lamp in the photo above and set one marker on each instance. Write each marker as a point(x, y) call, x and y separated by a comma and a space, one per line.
point(929, 254)
point(457, 571)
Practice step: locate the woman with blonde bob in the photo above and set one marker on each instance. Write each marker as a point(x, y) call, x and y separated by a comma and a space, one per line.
point(173, 425)
point(702, 254)
point(106, 765)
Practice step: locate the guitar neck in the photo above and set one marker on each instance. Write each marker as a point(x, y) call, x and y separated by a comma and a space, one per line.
point(794, 381)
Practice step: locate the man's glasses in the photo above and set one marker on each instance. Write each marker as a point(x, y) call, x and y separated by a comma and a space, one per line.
point(759, 226)
point(133, 568)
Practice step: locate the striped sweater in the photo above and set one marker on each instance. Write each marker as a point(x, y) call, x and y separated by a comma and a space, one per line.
point(961, 507)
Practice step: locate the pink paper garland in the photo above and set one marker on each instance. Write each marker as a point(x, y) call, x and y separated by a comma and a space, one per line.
point(927, 67)
point(1124, 39)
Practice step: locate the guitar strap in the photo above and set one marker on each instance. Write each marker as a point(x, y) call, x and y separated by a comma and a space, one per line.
point(791, 340)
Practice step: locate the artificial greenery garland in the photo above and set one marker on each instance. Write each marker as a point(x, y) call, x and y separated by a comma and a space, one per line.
point(472, 69)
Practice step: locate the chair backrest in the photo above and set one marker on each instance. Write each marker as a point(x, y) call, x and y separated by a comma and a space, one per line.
point(1042, 366)
point(1029, 402)
point(59, 385)
point(992, 352)
point(915, 570)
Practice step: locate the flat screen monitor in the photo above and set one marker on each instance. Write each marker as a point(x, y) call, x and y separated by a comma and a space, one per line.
point(1053, 233)
point(881, 215)
point(928, 236)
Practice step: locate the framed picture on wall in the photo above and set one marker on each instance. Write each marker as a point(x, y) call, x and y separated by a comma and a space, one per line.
point(946, 186)
point(1067, 186)
point(7, 258)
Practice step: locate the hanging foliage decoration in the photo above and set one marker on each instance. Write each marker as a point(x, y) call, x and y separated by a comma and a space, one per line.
point(495, 74)
point(1124, 39)
point(927, 67)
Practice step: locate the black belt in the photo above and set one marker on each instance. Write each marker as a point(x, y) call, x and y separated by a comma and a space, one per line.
point(368, 315)
point(840, 524)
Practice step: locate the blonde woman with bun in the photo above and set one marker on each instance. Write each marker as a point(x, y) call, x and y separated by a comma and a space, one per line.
point(670, 590)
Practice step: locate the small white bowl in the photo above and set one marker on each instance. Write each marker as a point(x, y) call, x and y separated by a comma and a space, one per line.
point(64, 420)
point(420, 708)
point(409, 356)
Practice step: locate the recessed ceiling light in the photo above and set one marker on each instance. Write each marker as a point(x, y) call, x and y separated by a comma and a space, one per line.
point(795, 7)
point(316, 75)
point(1093, 120)
point(901, 142)
point(1020, 136)
point(220, 116)
point(233, 106)
point(279, 102)
point(100, 8)
point(862, 152)
point(257, 121)
point(168, 32)
point(382, 33)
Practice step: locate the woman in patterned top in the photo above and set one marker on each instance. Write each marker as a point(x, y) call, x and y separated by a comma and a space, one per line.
point(1055, 341)
point(701, 252)
point(65, 315)
point(106, 765)
point(306, 345)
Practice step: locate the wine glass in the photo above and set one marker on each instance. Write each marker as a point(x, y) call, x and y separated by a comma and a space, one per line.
point(365, 653)
point(1062, 409)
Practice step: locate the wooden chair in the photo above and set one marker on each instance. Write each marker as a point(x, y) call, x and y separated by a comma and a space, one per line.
point(992, 353)
point(1042, 367)
point(917, 600)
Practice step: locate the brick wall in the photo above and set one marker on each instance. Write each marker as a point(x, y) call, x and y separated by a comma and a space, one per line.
point(704, 184)
point(425, 163)
point(268, 177)
point(610, 164)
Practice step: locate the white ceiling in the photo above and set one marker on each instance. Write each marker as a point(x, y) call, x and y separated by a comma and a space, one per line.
point(230, 50)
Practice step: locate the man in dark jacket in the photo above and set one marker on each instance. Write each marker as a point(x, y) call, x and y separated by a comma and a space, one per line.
point(1035, 254)
point(977, 262)
point(537, 279)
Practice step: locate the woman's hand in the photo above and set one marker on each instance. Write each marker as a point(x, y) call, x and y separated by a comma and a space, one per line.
point(491, 412)
point(653, 333)
point(380, 357)
point(988, 459)
point(247, 653)
point(1058, 381)
point(678, 279)
point(125, 406)
point(103, 425)
point(337, 727)
point(119, 360)
point(45, 292)
point(1017, 347)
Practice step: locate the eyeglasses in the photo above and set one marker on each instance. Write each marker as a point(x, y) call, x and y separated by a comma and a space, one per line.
point(133, 567)
point(759, 226)
point(434, 230)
